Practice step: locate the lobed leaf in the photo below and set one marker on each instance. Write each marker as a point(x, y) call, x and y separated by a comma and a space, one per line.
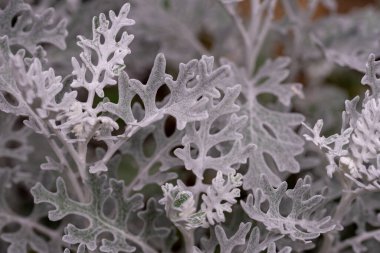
point(30, 29)
point(187, 101)
point(220, 130)
point(271, 130)
point(124, 240)
point(299, 224)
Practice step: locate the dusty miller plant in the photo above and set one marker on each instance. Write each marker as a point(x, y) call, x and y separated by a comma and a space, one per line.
point(205, 152)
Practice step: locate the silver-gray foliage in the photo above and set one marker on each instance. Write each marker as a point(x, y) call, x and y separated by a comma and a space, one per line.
point(202, 153)
point(299, 224)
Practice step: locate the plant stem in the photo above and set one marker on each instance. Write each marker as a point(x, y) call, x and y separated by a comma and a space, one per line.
point(144, 170)
point(115, 147)
point(82, 152)
point(188, 237)
point(339, 213)
point(70, 174)
point(356, 240)
point(242, 30)
point(347, 197)
point(45, 131)
point(257, 35)
point(254, 36)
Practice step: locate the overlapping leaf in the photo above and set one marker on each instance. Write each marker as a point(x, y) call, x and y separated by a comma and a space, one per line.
point(221, 196)
point(102, 60)
point(31, 233)
point(238, 241)
point(299, 224)
point(348, 39)
point(13, 139)
point(355, 151)
point(28, 29)
point(124, 240)
point(221, 128)
point(108, 50)
point(32, 90)
point(153, 168)
point(272, 131)
point(187, 100)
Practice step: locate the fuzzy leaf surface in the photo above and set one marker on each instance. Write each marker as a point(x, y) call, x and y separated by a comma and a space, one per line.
point(270, 129)
point(221, 127)
point(299, 224)
point(187, 101)
point(30, 29)
point(123, 239)
point(30, 233)
point(153, 168)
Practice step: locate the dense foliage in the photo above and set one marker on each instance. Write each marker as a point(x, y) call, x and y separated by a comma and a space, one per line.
point(200, 133)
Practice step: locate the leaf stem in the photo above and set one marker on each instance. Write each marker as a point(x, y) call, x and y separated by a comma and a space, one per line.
point(254, 35)
point(355, 240)
point(345, 201)
point(115, 146)
point(188, 237)
point(45, 131)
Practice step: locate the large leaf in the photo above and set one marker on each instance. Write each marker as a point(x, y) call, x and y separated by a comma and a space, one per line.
point(238, 241)
point(220, 130)
point(31, 233)
point(124, 240)
point(299, 224)
point(187, 100)
point(270, 129)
